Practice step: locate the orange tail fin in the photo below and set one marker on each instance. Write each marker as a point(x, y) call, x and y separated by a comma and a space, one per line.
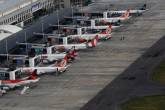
point(33, 74)
point(72, 53)
point(93, 42)
point(109, 29)
point(63, 62)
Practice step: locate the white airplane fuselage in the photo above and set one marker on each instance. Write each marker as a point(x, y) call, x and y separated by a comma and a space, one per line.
point(114, 19)
point(76, 46)
point(91, 36)
point(10, 84)
point(131, 11)
point(101, 27)
point(46, 69)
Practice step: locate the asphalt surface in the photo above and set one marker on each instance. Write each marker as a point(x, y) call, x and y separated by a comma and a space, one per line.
point(98, 67)
point(136, 79)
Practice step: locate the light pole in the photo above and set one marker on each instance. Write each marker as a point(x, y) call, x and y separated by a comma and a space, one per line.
point(72, 11)
point(58, 21)
point(43, 37)
point(7, 51)
point(81, 4)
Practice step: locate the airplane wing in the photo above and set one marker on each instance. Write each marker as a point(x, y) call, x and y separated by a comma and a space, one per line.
point(25, 88)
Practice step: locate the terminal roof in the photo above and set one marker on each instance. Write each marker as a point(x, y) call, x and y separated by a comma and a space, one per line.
point(9, 4)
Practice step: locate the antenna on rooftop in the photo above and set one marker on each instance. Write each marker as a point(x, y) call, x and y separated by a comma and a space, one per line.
point(58, 21)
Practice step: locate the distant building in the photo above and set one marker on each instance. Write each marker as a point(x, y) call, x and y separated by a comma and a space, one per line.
point(7, 30)
point(19, 12)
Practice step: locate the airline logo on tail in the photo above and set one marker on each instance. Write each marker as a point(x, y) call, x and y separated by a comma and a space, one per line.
point(108, 30)
point(62, 63)
point(72, 53)
point(33, 75)
point(93, 42)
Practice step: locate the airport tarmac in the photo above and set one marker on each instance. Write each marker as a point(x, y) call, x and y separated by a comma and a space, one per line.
point(94, 68)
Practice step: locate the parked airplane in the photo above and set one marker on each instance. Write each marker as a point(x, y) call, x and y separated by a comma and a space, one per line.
point(88, 34)
point(38, 49)
point(132, 12)
point(91, 24)
point(69, 43)
point(123, 17)
point(102, 25)
point(13, 79)
point(41, 63)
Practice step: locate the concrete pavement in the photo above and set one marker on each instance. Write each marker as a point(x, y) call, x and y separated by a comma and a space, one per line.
point(94, 69)
point(136, 80)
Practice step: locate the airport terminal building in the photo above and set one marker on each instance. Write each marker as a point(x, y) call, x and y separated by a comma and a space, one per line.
point(18, 17)
point(19, 11)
